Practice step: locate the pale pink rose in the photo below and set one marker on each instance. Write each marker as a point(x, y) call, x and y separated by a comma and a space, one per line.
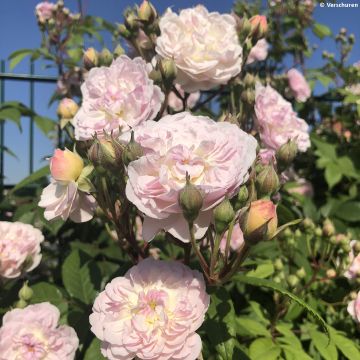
point(276, 120)
point(298, 85)
point(236, 240)
point(176, 103)
point(267, 156)
point(217, 157)
point(33, 333)
point(44, 11)
point(121, 95)
point(66, 165)
point(204, 46)
point(151, 313)
point(259, 52)
point(302, 187)
point(354, 308)
point(20, 250)
point(66, 200)
point(354, 269)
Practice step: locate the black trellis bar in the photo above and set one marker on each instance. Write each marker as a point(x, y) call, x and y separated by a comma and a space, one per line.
point(31, 79)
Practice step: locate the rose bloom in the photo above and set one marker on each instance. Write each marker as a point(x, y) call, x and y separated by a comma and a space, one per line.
point(236, 240)
point(259, 52)
point(276, 120)
point(44, 11)
point(267, 156)
point(151, 313)
point(302, 187)
point(33, 333)
point(354, 308)
point(261, 212)
point(298, 85)
point(19, 248)
point(204, 46)
point(62, 198)
point(176, 103)
point(121, 95)
point(354, 269)
point(217, 157)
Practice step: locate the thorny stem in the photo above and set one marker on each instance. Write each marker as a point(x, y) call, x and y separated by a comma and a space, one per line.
point(214, 254)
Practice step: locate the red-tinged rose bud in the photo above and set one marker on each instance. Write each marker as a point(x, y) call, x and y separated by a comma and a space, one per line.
point(147, 12)
point(190, 200)
point(260, 220)
point(90, 58)
point(259, 26)
point(67, 108)
point(66, 165)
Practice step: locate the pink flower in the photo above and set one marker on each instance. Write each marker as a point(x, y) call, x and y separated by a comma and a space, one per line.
point(176, 103)
point(354, 308)
point(302, 187)
point(236, 240)
point(19, 248)
point(66, 165)
point(354, 269)
point(259, 52)
point(298, 85)
point(121, 95)
point(276, 120)
point(44, 11)
point(66, 200)
point(217, 156)
point(33, 333)
point(267, 156)
point(204, 46)
point(151, 313)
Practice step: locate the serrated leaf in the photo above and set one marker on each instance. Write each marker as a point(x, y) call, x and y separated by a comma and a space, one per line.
point(246, 326)
point(81, 276)
point(333, 174)
point(272, 285)
point(345, 345)
point(327, 350)
point(262, 270)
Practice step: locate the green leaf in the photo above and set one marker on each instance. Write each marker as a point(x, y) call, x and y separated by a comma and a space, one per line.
point(246, 326)
point(292, 353)
point(93, 351)
point(349, 211)
point(264, 349)
point(324, 149)
point(45, 124)
point(333, 174)
point(272, 285)
point(18, 56)
point(12, 114)
point(345, 345)
point(35, 176)
point(262, 270)
point(81, 276)
point(327, 350)
point(220, 325)
point(321, 30)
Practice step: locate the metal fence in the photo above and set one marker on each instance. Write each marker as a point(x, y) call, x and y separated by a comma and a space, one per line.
point(30, 78)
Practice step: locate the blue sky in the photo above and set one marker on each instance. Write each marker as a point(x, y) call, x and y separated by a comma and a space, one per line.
point(18, 30)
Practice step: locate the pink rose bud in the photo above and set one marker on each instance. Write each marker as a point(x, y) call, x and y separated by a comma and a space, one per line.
point(67, 108)
point(147, 12)
point(66, 165)
point(261, 212)
point(259, 26)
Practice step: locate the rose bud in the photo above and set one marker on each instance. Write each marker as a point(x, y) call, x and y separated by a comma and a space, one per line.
point(132, 151)
point(260, 221)
point(168, 71)
point(25, 293)
point(190, 200)
point(147, 12)
point(328, 228)
point(90, 58)
point(67, 108)
point(267, 181)
point(105, 57)
point(223, 215)
point(131, 21)
point(285, 155)
point(259, 26)
point(118, 51)
point(240, 200)
point(66, 165)
point(292, 280)
point(101, 153)
point(124, 32)
point(21, 304)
